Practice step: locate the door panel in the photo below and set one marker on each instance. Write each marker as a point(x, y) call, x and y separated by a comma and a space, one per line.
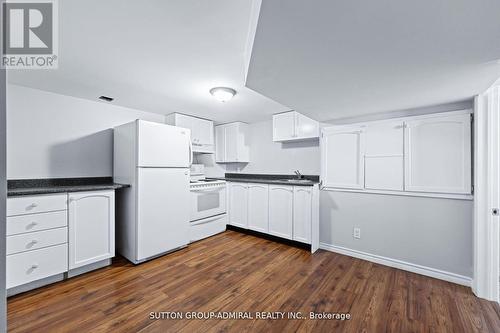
point(283, 126)
point(238, 205)
point(384, 173)
point(205, 132)
point(231, 143)
point(258, 207)
point(163, 210)
point(384, 167)
point(306, 127)
point(161, 145)
point(438, 154)
point(281, 211)
point(343, 157)
point(302, 214)
point(91, 227)
point(220, 144)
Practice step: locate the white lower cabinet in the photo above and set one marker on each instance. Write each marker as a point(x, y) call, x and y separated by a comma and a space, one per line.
point(284, 211)
point(258, 207)
point(302, 214)
point(91, 226)
point(281, 211)
point(52, 234)
point(238, 204)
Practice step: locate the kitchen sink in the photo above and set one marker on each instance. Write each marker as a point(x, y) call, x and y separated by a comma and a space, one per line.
point(305, 181)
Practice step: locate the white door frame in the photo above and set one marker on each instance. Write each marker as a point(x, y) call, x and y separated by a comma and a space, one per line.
point(487, 197)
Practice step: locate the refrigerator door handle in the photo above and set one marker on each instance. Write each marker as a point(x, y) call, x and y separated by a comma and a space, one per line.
point(190, 152)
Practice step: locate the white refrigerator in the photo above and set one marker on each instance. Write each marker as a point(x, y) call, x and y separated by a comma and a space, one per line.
point(152, 216)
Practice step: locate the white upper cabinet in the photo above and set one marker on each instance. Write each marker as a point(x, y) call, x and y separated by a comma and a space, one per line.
point(427, 155)
point(438, 154)
point(293, 126)
point(384, 156)
point(284, 126)
point(232, 143)
point(342, 154)
point(202, 131)
point(258, 205)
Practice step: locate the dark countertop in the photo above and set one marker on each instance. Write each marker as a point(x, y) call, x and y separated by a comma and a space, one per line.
point(20, 187)
point(267, 179)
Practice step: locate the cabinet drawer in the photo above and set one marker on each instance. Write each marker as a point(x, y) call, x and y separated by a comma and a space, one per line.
point(34, 265)
point(36, 222)
point(36, 240)
point(36, 204)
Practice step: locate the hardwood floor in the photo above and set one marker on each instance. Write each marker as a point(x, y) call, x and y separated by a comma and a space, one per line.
point(238, 272)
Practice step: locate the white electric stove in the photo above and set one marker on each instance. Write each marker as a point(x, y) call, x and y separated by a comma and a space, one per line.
point(208, 205)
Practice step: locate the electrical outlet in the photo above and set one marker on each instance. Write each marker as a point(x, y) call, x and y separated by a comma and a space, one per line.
point(356, 233)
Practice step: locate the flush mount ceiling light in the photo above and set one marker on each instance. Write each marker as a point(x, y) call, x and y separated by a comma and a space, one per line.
point(223, 94)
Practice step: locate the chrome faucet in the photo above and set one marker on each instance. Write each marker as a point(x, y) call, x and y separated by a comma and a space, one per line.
point(299, 175)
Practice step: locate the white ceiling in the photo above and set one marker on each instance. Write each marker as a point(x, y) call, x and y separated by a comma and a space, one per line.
point(331, 59)
point(159, 56)
point(327, 59)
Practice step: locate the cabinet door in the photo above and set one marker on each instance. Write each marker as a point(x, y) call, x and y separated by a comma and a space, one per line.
point(205, 131)
point(284, 126)
point(258, 207)
point(238, 204)
point(306, 127)
point(220, 144)
point(91, 227)
point(302, 213)
point(384, 156)
point(342, 152)
point(281, 211)
point(231, 143)
point(184, 121)
point(438, 154)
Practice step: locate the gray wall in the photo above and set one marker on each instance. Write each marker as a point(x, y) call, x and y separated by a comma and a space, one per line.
point(51, 135)
point(431, 232)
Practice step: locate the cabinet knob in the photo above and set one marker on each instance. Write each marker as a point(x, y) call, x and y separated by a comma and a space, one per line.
point(31, 225)
point(34, 266)
point(33, 205)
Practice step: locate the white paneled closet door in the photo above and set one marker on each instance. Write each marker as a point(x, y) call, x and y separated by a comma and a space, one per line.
point(342, 153)
point(438, 154)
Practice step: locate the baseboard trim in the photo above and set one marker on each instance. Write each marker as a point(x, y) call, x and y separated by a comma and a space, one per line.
point(406, 266)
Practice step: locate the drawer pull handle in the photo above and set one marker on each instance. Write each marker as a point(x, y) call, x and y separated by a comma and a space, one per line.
point(33, 205)
point(32, 268)
point(32, 243)
point(31, 225)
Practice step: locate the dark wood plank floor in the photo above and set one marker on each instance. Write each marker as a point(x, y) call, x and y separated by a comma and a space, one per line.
point(237, 272)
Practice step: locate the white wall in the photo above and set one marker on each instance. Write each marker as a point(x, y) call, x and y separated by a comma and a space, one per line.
point(51, 135)
point(271, 157)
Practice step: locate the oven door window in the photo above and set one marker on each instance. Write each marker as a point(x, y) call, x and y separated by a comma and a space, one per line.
point(208, 201)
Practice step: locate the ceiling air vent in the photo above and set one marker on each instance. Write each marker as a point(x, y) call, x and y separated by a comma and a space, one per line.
point(106, 98)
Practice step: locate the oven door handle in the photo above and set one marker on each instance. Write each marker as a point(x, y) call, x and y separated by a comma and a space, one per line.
point(208, 190)
point(208, 219)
